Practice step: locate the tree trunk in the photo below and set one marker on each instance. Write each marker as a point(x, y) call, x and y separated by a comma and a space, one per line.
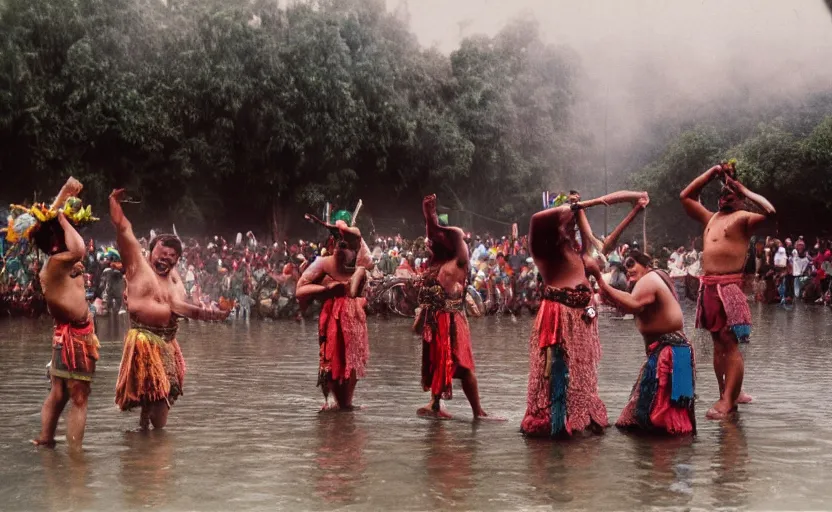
point(280, 220)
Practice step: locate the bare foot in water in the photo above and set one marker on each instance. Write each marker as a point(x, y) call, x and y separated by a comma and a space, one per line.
point(429, 412)
point(483, 416)
point(714, 413)
point(744, 398)
point(327, 407)
point(45, 444)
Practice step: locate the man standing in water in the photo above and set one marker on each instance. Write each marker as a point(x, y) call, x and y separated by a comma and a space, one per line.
point(446, 339)
point(152, 370)
point(663, 397)
point(338, 281)
point(74, 344)
point(564, 348)
point(722, 307)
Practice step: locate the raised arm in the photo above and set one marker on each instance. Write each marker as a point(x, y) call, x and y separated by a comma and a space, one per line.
point(75, 249)
point(754, 219)
point(453, 239)
point(589, 240)
point(622, 196)
point(71, 188)
point(364, 257)
point(612, 240)
point(690, 196)
point(643, 294)
point(308, 284)
point(128, 246)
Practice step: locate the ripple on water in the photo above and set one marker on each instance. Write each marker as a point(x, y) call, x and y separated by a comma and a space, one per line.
point(247, 434)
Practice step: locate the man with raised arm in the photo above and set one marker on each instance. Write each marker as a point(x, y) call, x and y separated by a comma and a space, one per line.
point(338, 281)
point(74, 344)
point(722, 307)
point(446, 339)
point(152, 370)
point(564, 348)
point(663, 397)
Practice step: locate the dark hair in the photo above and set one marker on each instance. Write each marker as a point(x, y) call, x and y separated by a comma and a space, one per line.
point(639, 257)
point(169, 241)
point(48, 236)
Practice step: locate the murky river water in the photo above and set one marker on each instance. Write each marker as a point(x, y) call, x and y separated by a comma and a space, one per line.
point(247, 435)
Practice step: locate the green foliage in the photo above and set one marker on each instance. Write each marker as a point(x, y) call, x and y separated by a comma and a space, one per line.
point(793, 172)
point(241, 112)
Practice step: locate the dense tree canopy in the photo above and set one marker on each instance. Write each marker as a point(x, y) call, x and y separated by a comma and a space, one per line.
point(784, 155)
point(224, 113)
point(229, 114)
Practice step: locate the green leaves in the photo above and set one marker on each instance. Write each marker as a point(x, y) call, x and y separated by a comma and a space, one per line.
point(207, 107)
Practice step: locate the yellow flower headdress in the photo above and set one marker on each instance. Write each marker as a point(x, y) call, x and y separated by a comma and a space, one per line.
point(25, 221)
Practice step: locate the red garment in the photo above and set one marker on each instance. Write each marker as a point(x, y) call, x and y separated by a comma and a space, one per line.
point(75, 351)
point(446, 348)
point(663, 415)
point(342, 328)
point(722, 303)
point(567, 327)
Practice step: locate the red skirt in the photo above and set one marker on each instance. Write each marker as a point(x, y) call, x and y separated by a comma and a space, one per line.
point(74, 351)
point(565, 327)
point(723, 306)
point(663, 414)
point(344, 345)
point(446, 347)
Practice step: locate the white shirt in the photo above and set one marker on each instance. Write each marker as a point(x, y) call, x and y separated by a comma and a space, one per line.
point(799, 265)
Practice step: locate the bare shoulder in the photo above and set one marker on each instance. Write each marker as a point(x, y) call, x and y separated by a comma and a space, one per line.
point(649, 283)
point(316, 268)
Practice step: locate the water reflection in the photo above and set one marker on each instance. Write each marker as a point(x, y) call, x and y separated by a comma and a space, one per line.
point(339, 458)
point(147, 475)
point(67, 477)
point(729, 464)
point(665, 468)
point(247, 435)
point(449, 462)
point(563, 471)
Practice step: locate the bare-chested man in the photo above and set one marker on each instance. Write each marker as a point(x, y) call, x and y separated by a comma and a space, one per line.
point(152, 370)
point(441, 321)
point(663, 397)
point(74, 344)
point(723, 308)
point(564, 348)
point(338, 280)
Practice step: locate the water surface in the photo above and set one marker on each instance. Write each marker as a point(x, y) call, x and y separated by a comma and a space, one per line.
point(247, 435)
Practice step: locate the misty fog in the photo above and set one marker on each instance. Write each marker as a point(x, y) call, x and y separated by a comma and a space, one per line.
point(644, 60)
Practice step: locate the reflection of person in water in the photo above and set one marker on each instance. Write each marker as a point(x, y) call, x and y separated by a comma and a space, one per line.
point(730, 463)
point(576, 466)
point(67, 482)
point(147, 473)
point(449, 463)
point(665, 470)
point(339, 458)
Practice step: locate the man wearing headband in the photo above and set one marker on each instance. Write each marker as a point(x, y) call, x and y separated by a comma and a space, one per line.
point(663, 397)
point(338, 280)
point(564, 348)
point(722, 306)
point(441, 321)
point(74, 344)
point(152, 370)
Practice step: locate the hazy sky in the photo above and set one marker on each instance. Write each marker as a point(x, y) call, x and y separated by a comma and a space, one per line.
point(641, 58)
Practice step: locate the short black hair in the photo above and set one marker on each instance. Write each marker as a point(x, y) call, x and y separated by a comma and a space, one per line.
point(50, 235)
point(640, 258)
point(170, 241)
